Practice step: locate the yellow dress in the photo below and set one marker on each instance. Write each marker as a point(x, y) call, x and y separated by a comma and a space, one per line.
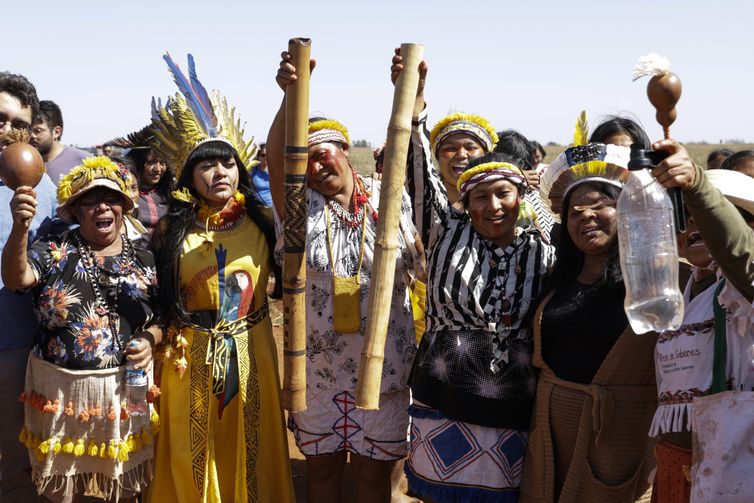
point(232, 448)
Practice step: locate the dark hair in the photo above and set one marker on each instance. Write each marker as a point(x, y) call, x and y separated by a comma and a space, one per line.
point(615, 124)
point(50, 113)
point(20, 88)
point(538, 146)
point(174, 226)
point(720, 152)
point(570, 258)
point(515, 145)
point(732, 160)
point(492, 157)
point(165, 185)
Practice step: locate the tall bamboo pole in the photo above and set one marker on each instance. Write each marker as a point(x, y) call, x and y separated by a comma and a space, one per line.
point(386, 240)
point(294, 230)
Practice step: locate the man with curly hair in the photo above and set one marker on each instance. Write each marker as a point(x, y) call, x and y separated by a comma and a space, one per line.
point(18, 325)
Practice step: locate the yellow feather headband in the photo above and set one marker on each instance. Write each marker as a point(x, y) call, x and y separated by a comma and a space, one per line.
point(489, 172)
point(90, 169)
point(91, 173)
point(474, 125)
point(323, 131)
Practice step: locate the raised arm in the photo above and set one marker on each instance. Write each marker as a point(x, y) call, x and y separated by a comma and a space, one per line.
point(17, 275)
point(276, 137)
point(728, 238)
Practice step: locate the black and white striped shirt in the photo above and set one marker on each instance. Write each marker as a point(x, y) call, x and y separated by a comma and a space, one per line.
point(480, 297)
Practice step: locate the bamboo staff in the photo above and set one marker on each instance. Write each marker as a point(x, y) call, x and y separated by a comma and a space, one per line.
point(386, 240)
point(294, 231)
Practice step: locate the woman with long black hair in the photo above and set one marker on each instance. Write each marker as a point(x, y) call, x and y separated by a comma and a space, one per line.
point(222, 437)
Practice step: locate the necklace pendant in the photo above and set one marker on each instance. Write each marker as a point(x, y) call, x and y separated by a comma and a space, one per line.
point(101, 310)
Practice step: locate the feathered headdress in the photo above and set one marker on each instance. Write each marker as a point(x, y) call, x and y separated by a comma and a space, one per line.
point(137, 139)
point(583, 162)
point(474, 125)
point(193, 117)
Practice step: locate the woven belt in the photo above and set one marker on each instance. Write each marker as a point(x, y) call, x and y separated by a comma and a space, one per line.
point(218, 354)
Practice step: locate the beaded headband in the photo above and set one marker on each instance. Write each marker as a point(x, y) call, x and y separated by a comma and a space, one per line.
point(489, 172)
point(471, 124)
point(324, 131)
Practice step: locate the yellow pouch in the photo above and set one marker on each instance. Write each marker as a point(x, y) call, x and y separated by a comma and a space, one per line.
point(346, 304)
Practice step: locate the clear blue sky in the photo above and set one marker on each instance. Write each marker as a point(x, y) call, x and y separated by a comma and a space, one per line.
point(526, 65)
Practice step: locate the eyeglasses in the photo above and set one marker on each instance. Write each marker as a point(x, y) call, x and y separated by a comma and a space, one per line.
point(92, 200)
point(15, 123)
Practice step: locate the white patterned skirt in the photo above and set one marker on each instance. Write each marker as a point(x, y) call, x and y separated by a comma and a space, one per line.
point(453, 461)
point(332, 424)
point(80, 438)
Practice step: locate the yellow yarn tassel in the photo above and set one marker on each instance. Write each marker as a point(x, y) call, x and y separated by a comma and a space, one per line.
point(130, 442)
point(146, 438)
point(29, 440)
point(112, 450)
point(79, 450)
point(68, 445)
point(23, 435)
point(102, 450)
point(154, 421)
point(92, 449)
point(37, 441)
point(44, 447)
point(123, 451)
point(137, 443)
point(57, 447)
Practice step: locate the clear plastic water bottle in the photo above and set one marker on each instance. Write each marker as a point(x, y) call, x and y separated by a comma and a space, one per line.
point(137, 385)
point(648, 250)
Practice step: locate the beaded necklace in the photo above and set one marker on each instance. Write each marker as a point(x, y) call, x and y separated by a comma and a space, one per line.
point(359, 199)
point(104, 307)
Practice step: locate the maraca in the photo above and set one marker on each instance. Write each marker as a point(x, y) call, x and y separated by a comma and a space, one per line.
point(21, 165)
point(663, 89)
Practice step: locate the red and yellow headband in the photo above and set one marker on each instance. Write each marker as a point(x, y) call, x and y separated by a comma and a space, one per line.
point(489, 172)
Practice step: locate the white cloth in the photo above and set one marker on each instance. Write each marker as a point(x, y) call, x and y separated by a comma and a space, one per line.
point(333, 356)
point(61, 474)
point(684, 357)
point(332, 423)
point(454, 459)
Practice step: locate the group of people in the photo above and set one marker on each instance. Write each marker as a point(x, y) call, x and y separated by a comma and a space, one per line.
point(509, 361)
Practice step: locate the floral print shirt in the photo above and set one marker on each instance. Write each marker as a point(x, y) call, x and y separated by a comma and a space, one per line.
point(333, 357)
point(72, 333)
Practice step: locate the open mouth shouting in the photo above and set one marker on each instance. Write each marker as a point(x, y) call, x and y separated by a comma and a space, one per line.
point(694, 239)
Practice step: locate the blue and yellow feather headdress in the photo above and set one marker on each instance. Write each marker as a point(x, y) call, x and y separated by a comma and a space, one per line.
point(193, 117)
point(581, 163)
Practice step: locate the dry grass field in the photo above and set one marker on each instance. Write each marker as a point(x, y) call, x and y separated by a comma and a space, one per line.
point(362, 160)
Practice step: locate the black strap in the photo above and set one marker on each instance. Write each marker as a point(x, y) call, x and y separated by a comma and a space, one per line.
point(719, 381)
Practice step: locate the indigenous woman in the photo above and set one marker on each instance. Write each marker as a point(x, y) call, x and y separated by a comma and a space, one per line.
point(472, 381)
point(720, 247)
point(596, 390)
point(94, 292)
point(224, 436)
point(341, 226)
point(156, 181)
point(153, 179)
